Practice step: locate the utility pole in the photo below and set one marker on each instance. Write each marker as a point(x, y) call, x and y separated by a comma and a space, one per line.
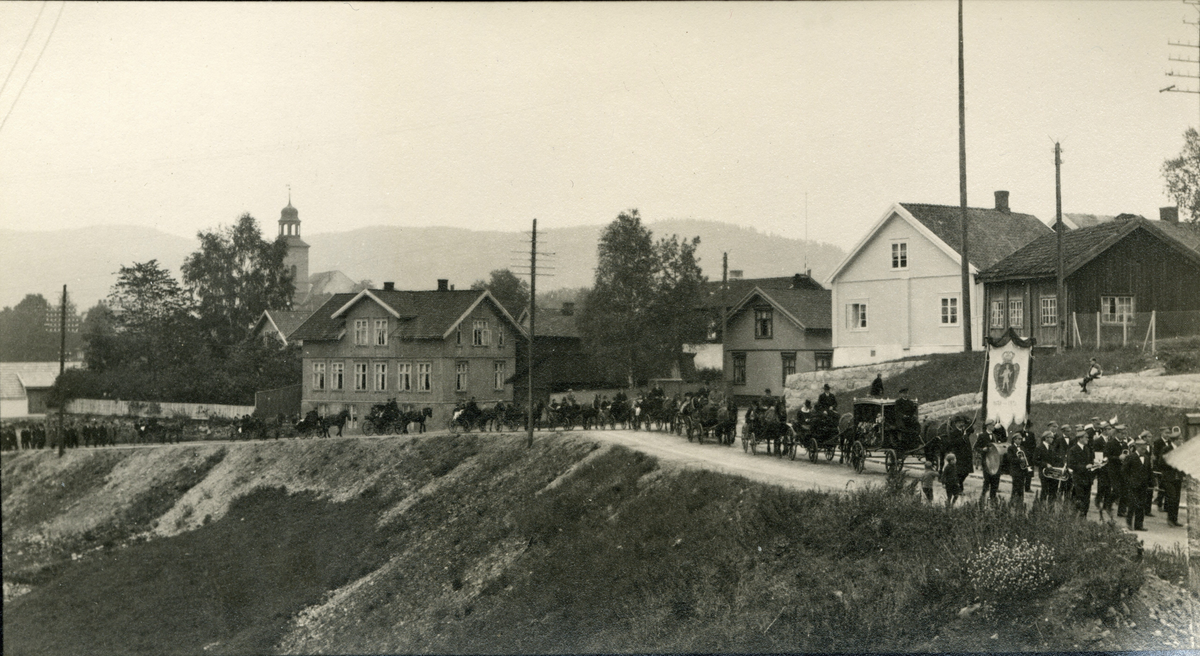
point(724, 306)
point(1061, 294)
point(1192, 58)
point(532, 320)
point(962, 187)
point(62, 366)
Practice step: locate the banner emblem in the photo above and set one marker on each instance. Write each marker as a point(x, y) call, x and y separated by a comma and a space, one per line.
point(1006, 374)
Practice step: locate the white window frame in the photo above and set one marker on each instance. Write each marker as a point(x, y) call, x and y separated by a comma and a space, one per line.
point(462, 375)
point(337, 376)
point(480, 334)
point(424, 377)
point(764, 323)
point(360, 377)
point(900, 255)
point(1114, 307)
point(380, 376)
point(823, 360)
point(949, 311)
point(997, 320)
point(500, 371)
point(857, 316)
point(1016, 312)
point(1049, 310)
point(318, 376)
point(403, 376)
point(381, 332)
point(361, 335)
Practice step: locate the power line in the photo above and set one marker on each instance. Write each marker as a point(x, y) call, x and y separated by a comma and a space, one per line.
point(35, 64)
point(23, 45)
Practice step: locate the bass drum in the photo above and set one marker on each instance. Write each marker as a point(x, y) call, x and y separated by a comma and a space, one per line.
point(993, 457)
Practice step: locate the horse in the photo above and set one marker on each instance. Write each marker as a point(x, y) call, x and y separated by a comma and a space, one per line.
point(417, 417)
point(338, 420)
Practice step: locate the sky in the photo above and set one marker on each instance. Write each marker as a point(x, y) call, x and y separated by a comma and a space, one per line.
point(485, 116)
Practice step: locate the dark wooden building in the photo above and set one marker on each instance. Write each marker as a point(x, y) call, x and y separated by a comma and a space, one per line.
point(560, 362)
point(1119, 276)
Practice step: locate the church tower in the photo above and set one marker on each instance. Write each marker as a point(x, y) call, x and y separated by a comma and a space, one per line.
point(297, 254)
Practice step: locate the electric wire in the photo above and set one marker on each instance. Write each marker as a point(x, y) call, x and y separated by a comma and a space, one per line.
point(23, 46)
point(35, 64)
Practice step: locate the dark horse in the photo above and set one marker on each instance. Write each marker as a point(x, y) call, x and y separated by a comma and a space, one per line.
point(416, 417)
point(338, 420)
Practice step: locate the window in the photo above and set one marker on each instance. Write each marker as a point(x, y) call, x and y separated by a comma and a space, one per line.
point(789, 365)
point(1050, 311)
point(360, 332)
point(823, 360)
point(1116, 309)
point(762, 323)
point(900, 255)
point(498, 368)
point(1016, 312)
point(403, 377)
point(360, 376)
point(739, 368)
point(856, 316)
point(337, 374)
point(318, 381)
point(997, 314)
point(461, 369)
point(424, 376)
point(381, 332)
point(480, 335)
point(458, 334)
point(500, 335)
point(380, 376)
point(949, 310)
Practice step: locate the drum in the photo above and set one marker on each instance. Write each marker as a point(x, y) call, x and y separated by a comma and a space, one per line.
point(993, 457)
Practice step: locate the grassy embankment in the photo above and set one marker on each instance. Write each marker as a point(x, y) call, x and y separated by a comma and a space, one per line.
point(476, 544)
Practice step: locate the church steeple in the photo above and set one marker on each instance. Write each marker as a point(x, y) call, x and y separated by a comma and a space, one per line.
point(297, 254)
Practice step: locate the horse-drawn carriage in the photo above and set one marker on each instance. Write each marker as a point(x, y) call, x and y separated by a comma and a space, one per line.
point(823, 432)
point(700, 419)
point(887, 426)
point(388, 418)
point(765, 426)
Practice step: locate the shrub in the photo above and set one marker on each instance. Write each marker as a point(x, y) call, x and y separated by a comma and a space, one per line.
point(1011, 571)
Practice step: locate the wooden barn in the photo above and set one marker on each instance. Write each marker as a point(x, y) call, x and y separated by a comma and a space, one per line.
point(1125, 280)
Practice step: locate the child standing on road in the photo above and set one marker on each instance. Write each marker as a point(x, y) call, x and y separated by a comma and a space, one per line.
point(927, 478)
point(950, 479)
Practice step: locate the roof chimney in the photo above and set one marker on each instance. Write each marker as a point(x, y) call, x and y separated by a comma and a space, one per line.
point(389, 286)
point(443, 284)
point(1002, 201)
point(568, 308)
point(1169, 214)
point(735, 274)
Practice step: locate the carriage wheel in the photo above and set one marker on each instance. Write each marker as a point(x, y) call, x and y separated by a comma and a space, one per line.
point(889, 461)
point(745, 444)
point(813, 449)
point(368, 428)
point(830, 451)
point(452, 426)
point(858, 456)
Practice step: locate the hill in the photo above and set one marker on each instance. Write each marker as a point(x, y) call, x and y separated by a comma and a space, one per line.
point(414, 258)
point(479, 544)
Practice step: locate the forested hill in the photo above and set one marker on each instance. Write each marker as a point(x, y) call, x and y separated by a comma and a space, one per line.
point(87, 259)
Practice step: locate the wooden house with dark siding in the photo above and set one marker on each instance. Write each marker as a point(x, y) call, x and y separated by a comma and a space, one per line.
point(1116, 275)
point(423, 348)
point(560, 361)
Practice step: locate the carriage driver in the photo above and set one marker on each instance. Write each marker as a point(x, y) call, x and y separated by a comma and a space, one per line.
point(827, 401)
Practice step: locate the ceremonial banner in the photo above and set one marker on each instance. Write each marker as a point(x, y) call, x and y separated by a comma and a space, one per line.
point(1007, 373)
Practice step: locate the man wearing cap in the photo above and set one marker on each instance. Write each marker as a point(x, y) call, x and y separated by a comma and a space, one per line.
point(1079, 461)
point(1016, 463)
point(1045, 455)
point(1138, 480)
point(1108, 480)
point(991, 482)
point(1171, 480)
point(906, 419)
point(1029, 443)
point(958, 442)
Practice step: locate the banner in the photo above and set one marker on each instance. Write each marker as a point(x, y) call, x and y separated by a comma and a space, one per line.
point(1008, 378)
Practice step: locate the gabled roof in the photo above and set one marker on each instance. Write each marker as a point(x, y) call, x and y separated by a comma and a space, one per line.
point(739, 287)
point(991, 234)
point(422, 314)
point(1075, 220)
point(281, 321)
point(551, 322)
point(17, 377)
point(809, 309)
point(1039, 258)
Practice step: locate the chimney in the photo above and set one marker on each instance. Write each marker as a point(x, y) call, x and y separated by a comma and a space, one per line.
point(1002, 201)
point(735, 274)
point(568, 309)
point(1169, 214)
point(389, 286)
point(443, 284)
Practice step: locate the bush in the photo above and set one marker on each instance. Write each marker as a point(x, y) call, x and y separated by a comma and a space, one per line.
point(1011, 571)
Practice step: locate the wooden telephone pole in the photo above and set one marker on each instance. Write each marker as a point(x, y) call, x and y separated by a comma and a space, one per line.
point(962, 187)
point(532, 320)
point(1060, 295)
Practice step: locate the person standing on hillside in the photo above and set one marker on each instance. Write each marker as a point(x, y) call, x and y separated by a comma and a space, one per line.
point(877, 386)
point(1094, 371)
point(929, 474)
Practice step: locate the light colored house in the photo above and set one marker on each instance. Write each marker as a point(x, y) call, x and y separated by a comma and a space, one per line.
point(423, 348)
point(898, 293)
point(24, 387)
point(773, 333)
point(274, 326)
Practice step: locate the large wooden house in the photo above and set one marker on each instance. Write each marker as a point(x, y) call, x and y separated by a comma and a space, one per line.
point(771, 334)
point(1119, 275)
point(423, 348)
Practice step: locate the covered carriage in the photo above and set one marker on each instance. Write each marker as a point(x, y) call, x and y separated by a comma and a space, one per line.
point(887, 428)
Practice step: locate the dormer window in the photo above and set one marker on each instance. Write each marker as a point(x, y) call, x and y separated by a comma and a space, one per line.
point(360, 332)
point(480, 335)
point(900, 255)
point(763, 320)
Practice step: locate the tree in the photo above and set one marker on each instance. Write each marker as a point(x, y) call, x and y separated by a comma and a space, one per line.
point(1182, 176)
point(641, 309)
point(236, 275)
point(23, 334)
point(509, 290)
point(155, 320)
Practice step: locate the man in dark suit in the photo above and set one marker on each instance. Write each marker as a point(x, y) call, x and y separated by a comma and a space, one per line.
point(1046, 456)
point(958, 442)
point(1138, 481)
point(1108, 489)
point(827, 401)
point(1079, 461)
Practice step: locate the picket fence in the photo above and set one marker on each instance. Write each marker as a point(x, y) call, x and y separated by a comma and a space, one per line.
point(156, 409)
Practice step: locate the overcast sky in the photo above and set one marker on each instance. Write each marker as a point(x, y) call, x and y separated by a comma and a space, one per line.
point(183, 116)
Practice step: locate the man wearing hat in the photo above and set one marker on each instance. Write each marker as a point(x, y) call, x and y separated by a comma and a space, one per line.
point(1079, 461)
point(991, 482)
point(1138, 481)
point(1016, 463)
point(1046, 455)
point(1171, 481)
point(906, 418)
point(827, 401)
point(1108, 482)
point(958, 442)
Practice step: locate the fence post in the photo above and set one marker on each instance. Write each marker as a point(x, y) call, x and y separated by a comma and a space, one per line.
point(1075, 327)
point(1153, 330)
point(1097, 331)
point(1124, 330)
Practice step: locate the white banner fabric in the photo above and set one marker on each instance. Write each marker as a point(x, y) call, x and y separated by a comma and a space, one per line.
point(1007, 384)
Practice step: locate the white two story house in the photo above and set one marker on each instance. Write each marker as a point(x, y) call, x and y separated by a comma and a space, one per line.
point(899, 291)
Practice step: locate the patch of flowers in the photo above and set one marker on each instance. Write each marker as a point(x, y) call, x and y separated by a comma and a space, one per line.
point(1010, 570)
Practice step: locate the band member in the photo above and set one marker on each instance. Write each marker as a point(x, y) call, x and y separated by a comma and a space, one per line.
point(991, 481)
point(1079, 461)
point(1171, 481)
point(1016, 463)
point(1138, 480)
point(1108, 485)
point(958, 443)
point(1029, 443)
point(1046, 456)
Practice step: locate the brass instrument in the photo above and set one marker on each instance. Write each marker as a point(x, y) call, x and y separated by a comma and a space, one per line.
point(1056, 473)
